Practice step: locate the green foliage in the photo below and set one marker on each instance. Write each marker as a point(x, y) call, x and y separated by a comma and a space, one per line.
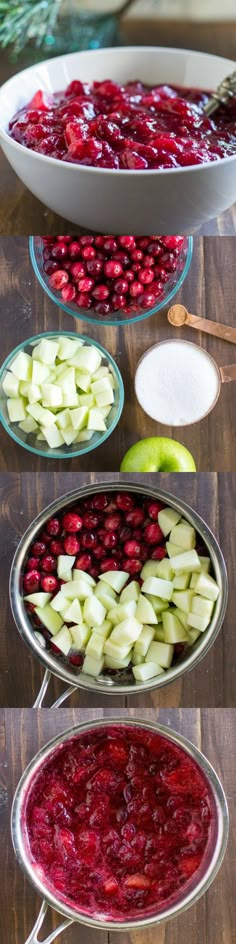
point(24, 21)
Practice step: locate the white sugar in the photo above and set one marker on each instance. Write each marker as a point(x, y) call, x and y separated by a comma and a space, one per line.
point(176, 383)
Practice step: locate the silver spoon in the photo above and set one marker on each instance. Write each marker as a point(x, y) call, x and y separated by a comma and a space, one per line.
point(225, 91)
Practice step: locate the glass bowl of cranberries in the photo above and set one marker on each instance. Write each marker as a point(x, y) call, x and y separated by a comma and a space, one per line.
point(117, 280)
point(81, 571)
point(61, 395)
point(117, 140)
point(149, 839)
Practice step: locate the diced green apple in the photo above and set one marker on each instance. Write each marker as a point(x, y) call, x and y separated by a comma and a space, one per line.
point(111, 663)
point(182, 617)
point(158, 604)
point(183, 599)
point(33, 393)
point(126, 633)
point(46, 351)
point(93, 666)
point(49, 618)
point(116, 652)
point(64, 567)
point(82, 575)
point(202, 606)
point(67, 348)
point(183, 535)
point(83, 380)
point(84, 436)
point(95, 420)
point(157, 587)
point(144, 641)
point(40, 373)
point(95, 645)
point(167, 519)
point(115, 579)
point(16, 410)
point(87, 358)
point(79, 417)
point(11, 385)
point(38, 599)
point(101, 594)
point(198, 622)
point(59, 602)
point(144, 611)
point(21, 366)
point(188, 562)
point(146, 670)
point(94, 612)
point(164, 569)
point(74, 613)
point(181, 581)
point(51, 395)
point(135, 658)
point(173, 630)
point(205, 564)
point(77, 589)
point(161, 653)
point(159, 634)
point(103, 630)
point(36, 411)
point(173, 550)
point(63, 640)
point(80, 636)
point(193, 635)
point(29, 425)
point(132, 592)
point(53, 436)
point(207, 587)
point(68, 435)
point(149, 569)
point(120, 612)
point(70, 398)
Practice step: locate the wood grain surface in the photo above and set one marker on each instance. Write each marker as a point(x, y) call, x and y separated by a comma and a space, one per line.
point(212, 682)
point(211, 921)
point(21, 212)
point(209, 290)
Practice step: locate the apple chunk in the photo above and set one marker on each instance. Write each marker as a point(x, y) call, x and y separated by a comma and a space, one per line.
point(167, 519)
point(207, 587)
point(173, 630)
point(49, 618)
point(158, 587)
point(146, 670)
point(161, 653)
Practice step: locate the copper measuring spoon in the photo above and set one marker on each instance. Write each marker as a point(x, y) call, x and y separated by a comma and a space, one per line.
point(178, 315)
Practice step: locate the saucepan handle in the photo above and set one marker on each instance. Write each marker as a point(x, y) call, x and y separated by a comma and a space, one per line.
point(33, 937)
point(228, 373)
point(44, 687)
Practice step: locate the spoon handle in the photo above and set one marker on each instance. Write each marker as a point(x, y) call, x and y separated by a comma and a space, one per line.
point(226, 332)
point(228, 373)
point(225, 91)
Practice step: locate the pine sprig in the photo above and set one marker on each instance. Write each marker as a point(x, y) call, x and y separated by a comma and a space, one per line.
point(22, 21)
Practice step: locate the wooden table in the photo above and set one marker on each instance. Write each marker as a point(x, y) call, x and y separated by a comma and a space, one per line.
point(21, 212)
point(208, 290)
point(212, 682)
point(211, 921)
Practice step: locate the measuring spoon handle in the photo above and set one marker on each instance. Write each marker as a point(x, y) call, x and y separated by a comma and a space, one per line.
point(228, 373)
point(212, 327)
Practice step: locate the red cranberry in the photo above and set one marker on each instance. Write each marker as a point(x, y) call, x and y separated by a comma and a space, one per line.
point(121, 286)
point(49, 584)
point(127, 242)
point(101, 292)
point(153, 509)
point(135, 517)
point(78, 270)
point(110, 539)
point(132, 566)
point(146, 276)
point(100, 501)
point(74, 250)
point(58, 279)
point(99, 552)
point(68, 293)
point(94, 267)
point(53, 527)
point(71, 545)
point(33, 563)
point(56, 548)
point(112, 522)
point(38, 549)
point(91, 520)
point(109, 564)
point(83, 562)
point(124, 501)
point(158, 553)
point(59, 251)
point(89, 540)
point(132, 549)
point(152, 534)
point(136, 289)
point(31, 581)
point(49, 563)
point(72, 522)
point(113, 269)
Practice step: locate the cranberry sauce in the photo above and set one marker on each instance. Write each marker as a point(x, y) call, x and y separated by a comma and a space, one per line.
point(120, 822)
point(131, 127)
point(105, 531)
point(107, 274)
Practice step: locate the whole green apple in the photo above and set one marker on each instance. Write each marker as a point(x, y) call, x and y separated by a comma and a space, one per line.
point(158, 454)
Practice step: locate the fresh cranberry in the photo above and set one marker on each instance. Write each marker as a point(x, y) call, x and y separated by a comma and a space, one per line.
point(124, 501)
point(83, 562)
point(72, 522)
point(58, 279)
point(78, 271)
point(71, 545)
point(91, 520)
point(100, 502)
point(112, 522)
point(89, 540)
point(158, 553)
point(153, 509)
point(49, 563)
point(109, 564)
point(152, 534)
point(31, 581)
point(132, 566)
point(38, 549)
point(135, 517)
point(132, 549)
point(100, 292)
point(99, 552)
point(49, 584)
point(33, 563)
point(110, 539)
point(53, 527)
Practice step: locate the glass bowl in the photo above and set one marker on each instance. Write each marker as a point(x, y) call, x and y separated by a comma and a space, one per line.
point(28, 441)
point(170, 288)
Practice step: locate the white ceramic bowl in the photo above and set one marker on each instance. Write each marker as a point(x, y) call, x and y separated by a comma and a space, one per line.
point(166, 201)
